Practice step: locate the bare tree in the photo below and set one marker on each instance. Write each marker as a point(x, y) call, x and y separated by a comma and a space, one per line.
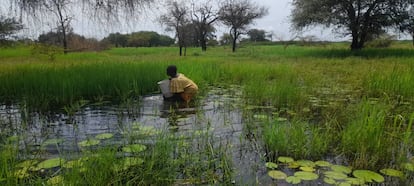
point(203, 17)
point(238, 15)
point(177, 20)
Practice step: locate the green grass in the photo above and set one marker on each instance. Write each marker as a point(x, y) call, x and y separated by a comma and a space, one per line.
point(360, 104)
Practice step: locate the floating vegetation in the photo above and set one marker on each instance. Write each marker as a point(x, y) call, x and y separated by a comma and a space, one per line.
point(279, 175)
point(368, 176)
point(52, 142)
point(89, 142)
point(271, 165)
point(308, 176)
point(341, 168)
point(323, 163)
point(104, 136)
point(408, 166)
point(284, 159)
point(50, 163)
point(392, 172)
point(135, 148)
point(293, 180)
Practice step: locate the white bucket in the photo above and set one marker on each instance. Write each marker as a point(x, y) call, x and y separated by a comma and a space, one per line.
point(165, 88)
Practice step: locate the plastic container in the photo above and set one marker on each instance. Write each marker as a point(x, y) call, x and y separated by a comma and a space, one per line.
point(165, 88)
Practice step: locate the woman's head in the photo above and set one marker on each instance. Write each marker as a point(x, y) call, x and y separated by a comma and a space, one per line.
point(172, 70)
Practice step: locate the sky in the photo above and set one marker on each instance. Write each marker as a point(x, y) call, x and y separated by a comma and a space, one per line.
point(276, 22)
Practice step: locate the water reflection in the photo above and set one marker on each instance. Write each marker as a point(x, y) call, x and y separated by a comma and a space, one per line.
point(219, 112)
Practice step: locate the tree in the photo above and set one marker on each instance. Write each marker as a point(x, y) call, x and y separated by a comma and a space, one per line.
point(238, 15)
point(204, 16)
point(117, 39)
point(361, 19)
point(408, 21)
point(225, 39)
point(257, 35)
point(62, 10)
point(176, 19)
point(8, 27)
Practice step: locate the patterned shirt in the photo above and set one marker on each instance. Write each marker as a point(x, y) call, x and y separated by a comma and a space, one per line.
point(181, 84)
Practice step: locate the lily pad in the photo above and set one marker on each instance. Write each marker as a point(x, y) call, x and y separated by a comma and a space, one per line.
point(307, 169)
point(293, 165)
point(279, 175)
point(306, 175)
point(88, 143)
point(341, 168)
point(355, 181)
point(260, 116)
point(329, 181)
point(145, 130)
point(73, 163)
point(323, 163)
point(104, 136)
point(306, 163)
point(271, 165)
point(408, 166)
point(52, 142)
point(392, 172)
point(293, 180)
point(135, 148)
point(128, 162)
point(335, 175)
point(344, 184)
point(280, 119)
point(27, 163)
point(284, 159)
point(22, 173)
point(368, 176)
point(50, 163)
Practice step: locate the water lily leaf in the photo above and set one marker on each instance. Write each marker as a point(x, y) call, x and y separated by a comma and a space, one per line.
point(279, 175)
point(335, 175)
point(408, 166)
point(53, 141)
point(344, 184)
point(306, 163)
point(13, 139)
point(293, 180)
point(306, 175)
point(329, 181)
point(145, 130)
point(88, 143)
point(104, 136)
point(56, 180)
point(368, 176)
point(73, 163)
point(307, 169)
point(355, 181)
point(284, 159)
point(271, 165)
point(135, 148)
point(50, 163)
point(341, 168)
point(392, 172)
point(293, 165)
point(27, 163)
point(323, 163)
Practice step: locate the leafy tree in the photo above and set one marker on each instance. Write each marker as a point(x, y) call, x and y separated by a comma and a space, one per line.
point(204, 16)
point(177, 20)
point(8, 27)
point(225, 39)
point(257, 35)
point(408, 20)
point(238, 15)
point(360, 19)
point(117, 39)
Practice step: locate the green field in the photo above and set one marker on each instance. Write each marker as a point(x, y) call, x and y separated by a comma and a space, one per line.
point(326, 100)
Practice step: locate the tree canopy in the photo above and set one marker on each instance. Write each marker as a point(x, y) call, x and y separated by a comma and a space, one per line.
point(238, 15)
point(360, 19)
point(8, 27)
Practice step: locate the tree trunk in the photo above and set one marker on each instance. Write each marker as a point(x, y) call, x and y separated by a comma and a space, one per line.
point(234, 40)
point(357, 43)
point(203, 42)
point(181, 51)
point(412, 34)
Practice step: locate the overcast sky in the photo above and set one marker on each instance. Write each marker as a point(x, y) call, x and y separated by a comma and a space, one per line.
point(277, 22)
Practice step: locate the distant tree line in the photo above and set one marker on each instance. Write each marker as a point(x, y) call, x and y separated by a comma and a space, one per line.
point(139, 39)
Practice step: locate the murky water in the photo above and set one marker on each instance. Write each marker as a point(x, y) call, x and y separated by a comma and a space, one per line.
point(219, 112)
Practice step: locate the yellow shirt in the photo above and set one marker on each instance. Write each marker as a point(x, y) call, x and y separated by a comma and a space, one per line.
point(183, 84)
